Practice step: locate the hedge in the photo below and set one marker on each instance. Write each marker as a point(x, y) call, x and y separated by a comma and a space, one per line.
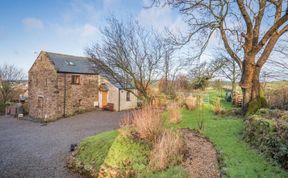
point(267, 130)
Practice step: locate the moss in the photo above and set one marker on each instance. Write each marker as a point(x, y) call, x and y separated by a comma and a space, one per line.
point(264, 103)
point(255, 105)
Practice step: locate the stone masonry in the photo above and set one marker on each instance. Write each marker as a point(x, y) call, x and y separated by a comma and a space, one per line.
point(52, 95)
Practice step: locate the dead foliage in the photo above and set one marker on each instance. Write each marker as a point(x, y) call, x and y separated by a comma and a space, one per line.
point(146, 123)
point(278, 98)
point(217, 107)
point(191, 102)
point(167, 151)
point(174, 113)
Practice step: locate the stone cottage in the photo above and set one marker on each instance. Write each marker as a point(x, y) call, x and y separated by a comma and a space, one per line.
point(62, 85)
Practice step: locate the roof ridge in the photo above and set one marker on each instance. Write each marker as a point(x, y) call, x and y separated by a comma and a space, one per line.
point(69, 55)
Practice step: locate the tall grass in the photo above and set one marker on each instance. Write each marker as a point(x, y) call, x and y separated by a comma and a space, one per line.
point(167, 151)
point(174, 113)
point(147, 123)
point(191, 103)
point(217, 107)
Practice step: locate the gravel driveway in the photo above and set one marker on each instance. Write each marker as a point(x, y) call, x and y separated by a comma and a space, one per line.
point(28, 149)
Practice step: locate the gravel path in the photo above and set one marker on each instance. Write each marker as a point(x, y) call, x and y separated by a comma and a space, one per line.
point(28, 149)
point(201, 157)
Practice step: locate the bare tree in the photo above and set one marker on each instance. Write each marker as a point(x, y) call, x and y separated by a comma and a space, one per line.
point(201, 73)
point(129, 54)
point(230, 71)
point(254, 26)
point(9, 76)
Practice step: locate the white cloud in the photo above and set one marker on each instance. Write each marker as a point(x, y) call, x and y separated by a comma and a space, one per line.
point(79, 34)
point(31, 23)
point(156, 17)
point(160, 18)
point(89, 30)
point(84, 10)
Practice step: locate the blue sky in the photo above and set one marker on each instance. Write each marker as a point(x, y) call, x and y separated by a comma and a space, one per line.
point(27, 27)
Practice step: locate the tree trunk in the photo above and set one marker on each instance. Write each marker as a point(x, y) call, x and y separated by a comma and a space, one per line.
point(250, 84)
point(233, 86)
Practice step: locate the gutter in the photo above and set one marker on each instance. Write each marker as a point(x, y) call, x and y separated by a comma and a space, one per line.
point(65, 81)
point(119, 100)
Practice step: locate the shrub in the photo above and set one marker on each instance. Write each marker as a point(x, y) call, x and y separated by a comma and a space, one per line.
point(148, 123)
point(217, 107)
point(2, 108)
point(269, 134)
point(191, 103)
point(168, 151)
point(174, 113)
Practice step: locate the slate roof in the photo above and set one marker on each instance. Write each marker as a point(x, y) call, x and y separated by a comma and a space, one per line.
point(71, 64)
point(79, 65)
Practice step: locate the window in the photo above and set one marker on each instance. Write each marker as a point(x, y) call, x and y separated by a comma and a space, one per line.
point(69, 63)
point(46, 82)
point(76, 79)
point(40, 102)
point(128, 96)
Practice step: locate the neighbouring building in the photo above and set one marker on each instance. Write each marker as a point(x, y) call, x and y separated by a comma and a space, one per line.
point(62, 85)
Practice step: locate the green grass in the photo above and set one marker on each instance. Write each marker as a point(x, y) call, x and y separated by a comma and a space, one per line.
point(172, 172)
point(93, 150)
point(126, 151)
point(240, 160)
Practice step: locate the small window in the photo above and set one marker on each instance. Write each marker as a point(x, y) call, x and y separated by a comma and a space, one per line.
point(76, 79)
point(40, 102)
point(70, 63)
point(46, 82)
point(128, 95)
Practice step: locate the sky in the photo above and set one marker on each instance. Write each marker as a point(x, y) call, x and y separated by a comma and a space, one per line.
point(67, 26)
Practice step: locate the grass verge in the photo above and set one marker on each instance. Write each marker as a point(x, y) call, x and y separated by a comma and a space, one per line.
point(92, 152)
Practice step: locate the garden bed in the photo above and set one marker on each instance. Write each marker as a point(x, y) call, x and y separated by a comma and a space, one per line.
point(110, 155)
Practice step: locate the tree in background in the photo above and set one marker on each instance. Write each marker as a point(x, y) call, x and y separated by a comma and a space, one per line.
point(130, 54)
point(10, 75)
point(254, 27)
point(201, 73)
point(230, 71)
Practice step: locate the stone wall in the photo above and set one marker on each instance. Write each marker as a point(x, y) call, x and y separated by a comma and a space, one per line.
point(42, 89)
point(79, 97)
point(48, 86)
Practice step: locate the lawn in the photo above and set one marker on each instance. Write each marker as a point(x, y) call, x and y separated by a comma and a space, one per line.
point(240, 160)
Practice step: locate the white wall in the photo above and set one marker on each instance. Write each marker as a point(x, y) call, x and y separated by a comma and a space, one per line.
point(125, 105)
point(113, 97)
point(113, 94)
